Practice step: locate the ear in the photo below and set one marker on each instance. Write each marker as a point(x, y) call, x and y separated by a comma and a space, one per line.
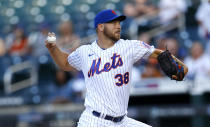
point(101, 27)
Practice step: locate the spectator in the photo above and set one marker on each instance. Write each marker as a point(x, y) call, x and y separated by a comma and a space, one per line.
point(17, 42)
point(78, 88)
point(37, 39)
point(67, 40)
point(43, 62)
point(151, 68)
point(130, 11)
point(143, 7)
point(171, 10)
point(151, 71)
point(17, 46)
point(144, 37)
point(145, 17)
point(61, 90)
point(172, 45)
point(198, 62)
point(202, 16)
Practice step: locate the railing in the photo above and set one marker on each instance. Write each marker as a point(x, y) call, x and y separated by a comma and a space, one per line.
point(178, 23)
point(43, 108)
point(159, 86)
point(10, 87)
point(60, 115)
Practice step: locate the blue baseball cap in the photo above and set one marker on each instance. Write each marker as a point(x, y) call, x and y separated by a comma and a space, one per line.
point(107, 16)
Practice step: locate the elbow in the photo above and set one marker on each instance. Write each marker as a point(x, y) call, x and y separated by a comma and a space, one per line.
point(66, 68)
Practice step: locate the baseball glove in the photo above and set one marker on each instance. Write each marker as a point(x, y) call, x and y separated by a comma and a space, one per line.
point(170, 66)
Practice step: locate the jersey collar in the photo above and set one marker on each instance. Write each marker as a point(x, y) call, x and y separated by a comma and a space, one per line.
point(96, 46)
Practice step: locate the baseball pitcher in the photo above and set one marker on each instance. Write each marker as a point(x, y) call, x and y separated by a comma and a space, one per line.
point(106, 65)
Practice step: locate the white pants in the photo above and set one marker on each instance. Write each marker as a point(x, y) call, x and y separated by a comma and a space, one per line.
point(87, 119)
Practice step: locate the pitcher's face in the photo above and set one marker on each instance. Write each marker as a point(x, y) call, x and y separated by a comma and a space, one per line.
point(112, 30)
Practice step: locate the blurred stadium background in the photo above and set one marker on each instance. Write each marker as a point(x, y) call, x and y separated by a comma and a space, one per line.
point(35, 93)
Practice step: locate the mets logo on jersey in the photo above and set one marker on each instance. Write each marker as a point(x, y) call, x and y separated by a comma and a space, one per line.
point(116, 62)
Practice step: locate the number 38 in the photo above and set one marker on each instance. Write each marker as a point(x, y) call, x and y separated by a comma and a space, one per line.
point(122, 79)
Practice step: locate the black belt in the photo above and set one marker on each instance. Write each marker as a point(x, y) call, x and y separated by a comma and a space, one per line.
point(107, 117)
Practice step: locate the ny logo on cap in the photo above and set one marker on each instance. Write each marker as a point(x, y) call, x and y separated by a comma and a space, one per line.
point(114, 12)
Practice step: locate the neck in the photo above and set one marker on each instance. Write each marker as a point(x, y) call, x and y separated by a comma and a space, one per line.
point(104, 42)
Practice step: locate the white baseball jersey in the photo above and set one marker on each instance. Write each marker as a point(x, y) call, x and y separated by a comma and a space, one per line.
point(108, 72)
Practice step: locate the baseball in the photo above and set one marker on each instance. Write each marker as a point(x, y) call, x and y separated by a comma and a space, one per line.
point(51, 39)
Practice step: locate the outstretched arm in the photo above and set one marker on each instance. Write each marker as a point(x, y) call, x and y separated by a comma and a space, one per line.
point(58, 56)
point(158, 51)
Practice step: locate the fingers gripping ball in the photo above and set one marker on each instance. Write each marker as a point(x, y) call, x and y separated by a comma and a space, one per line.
point(170, 67)
point(51, 39)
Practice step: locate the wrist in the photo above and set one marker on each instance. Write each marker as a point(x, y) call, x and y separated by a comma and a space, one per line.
point(51, 48)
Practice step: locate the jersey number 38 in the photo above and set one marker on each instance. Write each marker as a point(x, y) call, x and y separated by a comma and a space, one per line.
point(122, 79)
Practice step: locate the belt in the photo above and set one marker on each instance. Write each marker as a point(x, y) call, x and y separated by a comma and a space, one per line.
point(107, 117)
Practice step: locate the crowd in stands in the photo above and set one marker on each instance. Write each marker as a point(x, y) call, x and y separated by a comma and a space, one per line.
point(143, 16)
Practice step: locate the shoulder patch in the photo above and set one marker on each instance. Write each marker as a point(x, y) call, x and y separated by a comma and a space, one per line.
point(145, 44)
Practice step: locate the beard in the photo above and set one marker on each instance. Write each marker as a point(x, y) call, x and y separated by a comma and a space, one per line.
point(112, 36)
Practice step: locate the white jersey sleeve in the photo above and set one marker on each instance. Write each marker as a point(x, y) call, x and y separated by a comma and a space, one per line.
point(141, 50)
point(75, 59)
